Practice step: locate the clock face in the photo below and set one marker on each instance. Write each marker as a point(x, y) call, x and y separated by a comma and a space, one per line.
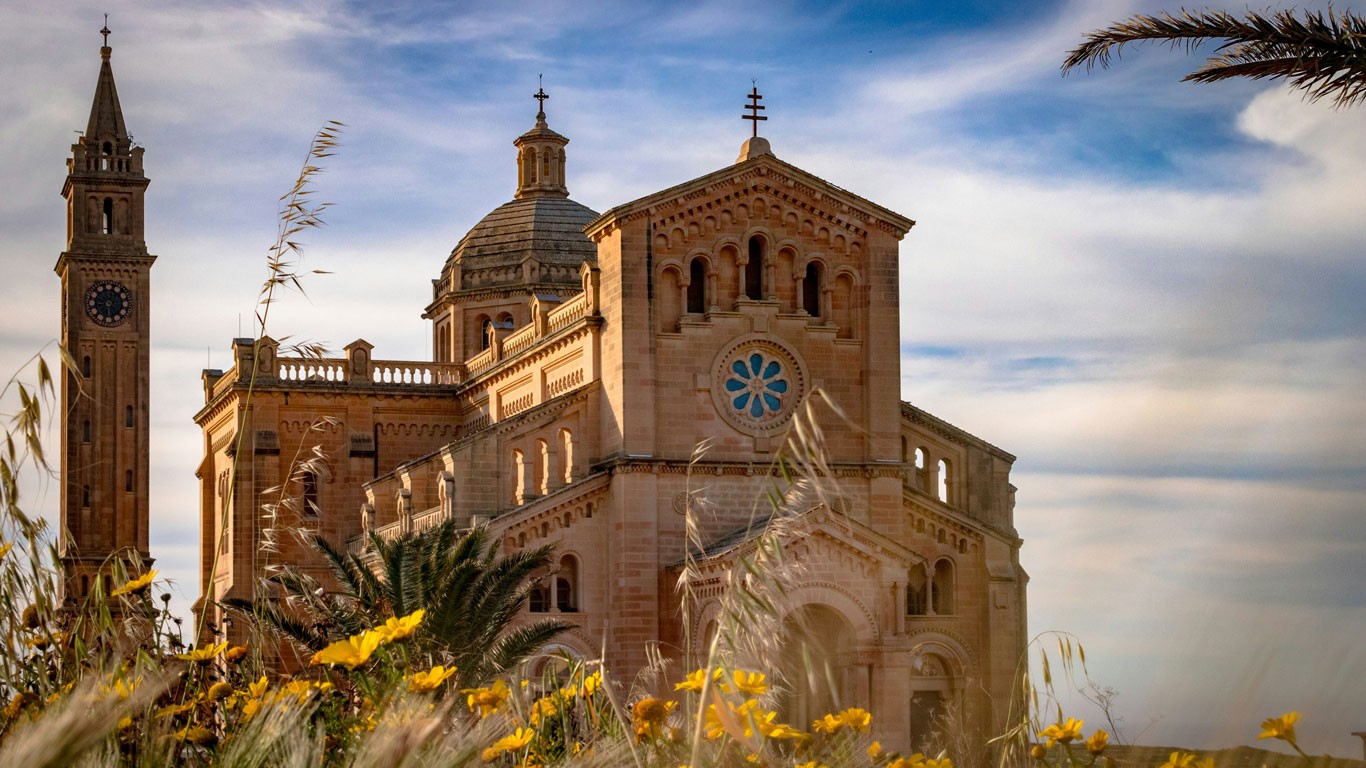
point(108, 302)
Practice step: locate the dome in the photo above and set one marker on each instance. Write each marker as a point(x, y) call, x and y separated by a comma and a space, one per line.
point(548, 229)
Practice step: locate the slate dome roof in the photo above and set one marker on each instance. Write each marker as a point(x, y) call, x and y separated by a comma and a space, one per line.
point(549, 229)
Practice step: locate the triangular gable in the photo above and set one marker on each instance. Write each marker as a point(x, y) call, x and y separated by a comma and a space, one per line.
point(844, 206)
point(817, 524)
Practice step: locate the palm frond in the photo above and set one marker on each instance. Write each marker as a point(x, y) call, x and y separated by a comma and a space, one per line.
point(1322, 54)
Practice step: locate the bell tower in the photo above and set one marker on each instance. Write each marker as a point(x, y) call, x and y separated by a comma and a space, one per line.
point(106, 289)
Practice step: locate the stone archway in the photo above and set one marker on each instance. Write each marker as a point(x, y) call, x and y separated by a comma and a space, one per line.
point(816, 663)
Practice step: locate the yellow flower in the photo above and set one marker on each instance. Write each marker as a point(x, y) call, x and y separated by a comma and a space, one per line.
point(750, 683)
point(914, 761)
point(136, 586)
point(785, 731)
point(171, 710)
point(202, 654)
point(812, 764)
point(1282, 727)
point(874, 749)
point(746, 717)
point(1179, 760)
point(14, 707)
point(353, 651)
point(592, 683)
point(125, 723)
point(1098, 741)
point(694, 681)
point(513, 742)
point(196, 735)
point(648, 716)
point(854, 718)
point(235, 654)
point(5, 548)
point(398, 629)
point(250, 709)
point(489, 699)
point(543, 708)
point(421, 682)
point(1063, 733)
point(122, 688)
point(941, 763)
point(258, 689)
point(1038, 752)
point(302, 689)
point(218, 690)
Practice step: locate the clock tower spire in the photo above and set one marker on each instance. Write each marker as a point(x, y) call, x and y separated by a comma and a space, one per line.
point(106, 286)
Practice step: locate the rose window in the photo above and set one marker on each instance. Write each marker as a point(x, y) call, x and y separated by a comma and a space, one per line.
point(757, 385)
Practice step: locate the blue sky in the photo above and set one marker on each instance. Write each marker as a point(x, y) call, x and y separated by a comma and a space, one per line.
point(1149, 291)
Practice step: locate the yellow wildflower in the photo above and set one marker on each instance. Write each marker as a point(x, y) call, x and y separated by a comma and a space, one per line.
point(648, 716)
point(940, 763)
point(489, 699)
point(914, 761)
point(5, 548)
point(592, 683)
point(743, 716)
point(785, 731)
point(853, 718)
point(136, 586)
point(302, 689)
point(172, 710)
point(693, 682)
point(1064, 732)
point(421, 682)
point(196, 735)
point(750, 683)
point(218, 690)
point(1098, 741)
point(1179, 760)
point(1038, 752)
point(398, 629)
point(235, 654)
point(513, 742)
point(203, 654)
point(250, 709)
point(1282, 727)
point(125, 722)
point(812, 764)
point(543, 708)
point(122, 688)
point(874, 749)
point(353, 651)
point(14, 707)
point(258, 689)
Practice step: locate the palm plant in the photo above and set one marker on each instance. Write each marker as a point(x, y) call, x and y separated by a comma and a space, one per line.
point(471, 596)
point(1323, 55)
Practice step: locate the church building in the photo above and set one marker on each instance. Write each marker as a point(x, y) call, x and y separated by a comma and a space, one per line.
point(579, 360)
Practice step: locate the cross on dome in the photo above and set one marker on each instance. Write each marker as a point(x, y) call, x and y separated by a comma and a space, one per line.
point(540, 96)
point(753, 106)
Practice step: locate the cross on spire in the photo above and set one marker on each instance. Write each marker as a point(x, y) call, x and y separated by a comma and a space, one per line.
point(540, 96)
point(105, 31)
point(753, 106)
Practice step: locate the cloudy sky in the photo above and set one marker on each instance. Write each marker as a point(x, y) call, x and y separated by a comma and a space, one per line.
point(1149, 291)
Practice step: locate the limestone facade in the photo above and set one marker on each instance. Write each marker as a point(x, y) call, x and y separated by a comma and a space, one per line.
point(579, 360)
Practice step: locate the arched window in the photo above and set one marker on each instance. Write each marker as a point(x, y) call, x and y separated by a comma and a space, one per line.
point(128, 481)
point(519, 478)
point(567, 456)
point(943, 587)
point(85, 366)
point(128, 416)
point(485, 334)
point(945, 482)
point(811, 289)
point(754, 269)
point(542, 484)
point(531, 166)
point(85, 585)
point(697, 286)
point(567, 585)
point(85, 431)
point(538, 600)
point(916, 594)
point(904, 450)
point(107, 222)
point(310, 483)
point(85, 496)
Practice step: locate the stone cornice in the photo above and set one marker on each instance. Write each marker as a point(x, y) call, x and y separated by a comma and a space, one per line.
point(913, 415)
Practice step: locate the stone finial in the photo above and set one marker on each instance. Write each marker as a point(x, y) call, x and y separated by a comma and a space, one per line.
point(752, 148)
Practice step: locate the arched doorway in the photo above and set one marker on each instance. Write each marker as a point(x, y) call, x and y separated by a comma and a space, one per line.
point(932, 696)
point(817, 642)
